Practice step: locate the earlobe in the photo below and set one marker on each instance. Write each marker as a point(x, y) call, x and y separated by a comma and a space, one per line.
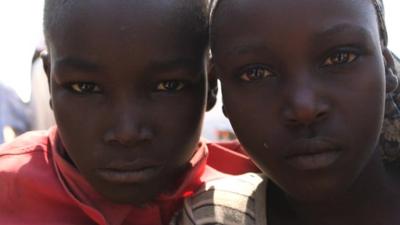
point(391, 74)
point(212, 86)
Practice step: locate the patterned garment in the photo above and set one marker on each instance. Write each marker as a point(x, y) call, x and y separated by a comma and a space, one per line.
point(380, 11)
point(389, 143)
point(390, 137)
point(238, 200)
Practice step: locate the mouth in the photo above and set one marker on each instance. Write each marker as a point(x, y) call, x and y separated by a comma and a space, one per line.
point(136, 172)
point(312, 154)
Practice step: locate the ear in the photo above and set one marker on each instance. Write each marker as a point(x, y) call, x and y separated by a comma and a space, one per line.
point(391, 73)
point(212, 91)
point(44, 55)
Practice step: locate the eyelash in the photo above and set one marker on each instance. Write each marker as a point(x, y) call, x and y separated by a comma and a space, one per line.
point(171, 86)
point(92, 88)
point(341, 57)
point(254, 73)
point(84, 88)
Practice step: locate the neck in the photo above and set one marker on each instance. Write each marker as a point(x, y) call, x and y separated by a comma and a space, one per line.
point(373, 193)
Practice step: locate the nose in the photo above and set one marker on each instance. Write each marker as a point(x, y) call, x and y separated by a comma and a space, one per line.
point(305, 106)
point(128, 127)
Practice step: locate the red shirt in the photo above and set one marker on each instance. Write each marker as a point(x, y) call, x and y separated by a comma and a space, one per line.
point(37, 186)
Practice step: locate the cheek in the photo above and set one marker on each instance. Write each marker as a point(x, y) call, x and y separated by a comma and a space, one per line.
point(255, 126)
point(177, 123)
point(76, 114)
point(252, 117)
point(362, 115)
point(249, 108)
point(79, 124)
point(360, 104)
point(182, 110)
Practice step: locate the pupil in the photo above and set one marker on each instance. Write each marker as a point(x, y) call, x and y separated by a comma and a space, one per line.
point(341, 58)
point(254, 73)
point(259, 73)
point(170, 85)
point(86, 87)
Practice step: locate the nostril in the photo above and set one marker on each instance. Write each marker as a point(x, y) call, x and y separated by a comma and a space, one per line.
point(320, 115)
point(114, 142)
point(125, 141)
point(300, 121)
point(127, 137)
point(292, 122)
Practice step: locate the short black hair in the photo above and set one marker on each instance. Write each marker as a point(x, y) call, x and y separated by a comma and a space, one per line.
point(52, 13)
point(193, 12)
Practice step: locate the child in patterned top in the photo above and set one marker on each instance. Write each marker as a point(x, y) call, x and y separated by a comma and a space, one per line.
point(313, 75)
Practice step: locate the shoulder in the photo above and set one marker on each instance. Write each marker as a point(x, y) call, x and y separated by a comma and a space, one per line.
point(34, 141)
point(227, 145)
point(231, 200)
point(28, 154)
point(27, 174)
point(229, 158)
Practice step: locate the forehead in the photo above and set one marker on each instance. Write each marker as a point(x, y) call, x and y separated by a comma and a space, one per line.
point(236, 19)
point(281, 9)
point(126, 23)
point(118, 12)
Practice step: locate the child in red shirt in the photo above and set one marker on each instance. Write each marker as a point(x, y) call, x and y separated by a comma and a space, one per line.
point(128, 89)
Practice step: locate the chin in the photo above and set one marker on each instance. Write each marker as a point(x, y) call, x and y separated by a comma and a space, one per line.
point(130, 197)
point(138, 201)
point(317, 196)
point(317, 192)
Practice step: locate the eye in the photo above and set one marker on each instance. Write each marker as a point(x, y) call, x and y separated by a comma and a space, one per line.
point(340, 58)
point(84, 88)
point(256, 73)
point(170, 85)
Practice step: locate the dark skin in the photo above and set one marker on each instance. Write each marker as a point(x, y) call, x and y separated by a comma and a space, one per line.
point(128, 90)
point(312, 75)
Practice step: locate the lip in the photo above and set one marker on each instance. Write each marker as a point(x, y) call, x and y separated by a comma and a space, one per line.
point(138, 171)
point(312, 154)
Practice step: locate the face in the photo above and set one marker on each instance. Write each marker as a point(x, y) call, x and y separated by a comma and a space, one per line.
point(128, 94)
point(303, 85)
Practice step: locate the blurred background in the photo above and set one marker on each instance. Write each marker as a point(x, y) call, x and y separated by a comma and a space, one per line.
point(24, 103)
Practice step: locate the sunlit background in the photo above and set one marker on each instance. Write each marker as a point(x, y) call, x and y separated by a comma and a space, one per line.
point(21, 33)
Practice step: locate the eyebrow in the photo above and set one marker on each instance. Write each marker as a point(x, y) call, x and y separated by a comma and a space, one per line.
point(78, 64)
point(339, 29)
point(155, 66)
point(161, 65)
point(248, 47)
